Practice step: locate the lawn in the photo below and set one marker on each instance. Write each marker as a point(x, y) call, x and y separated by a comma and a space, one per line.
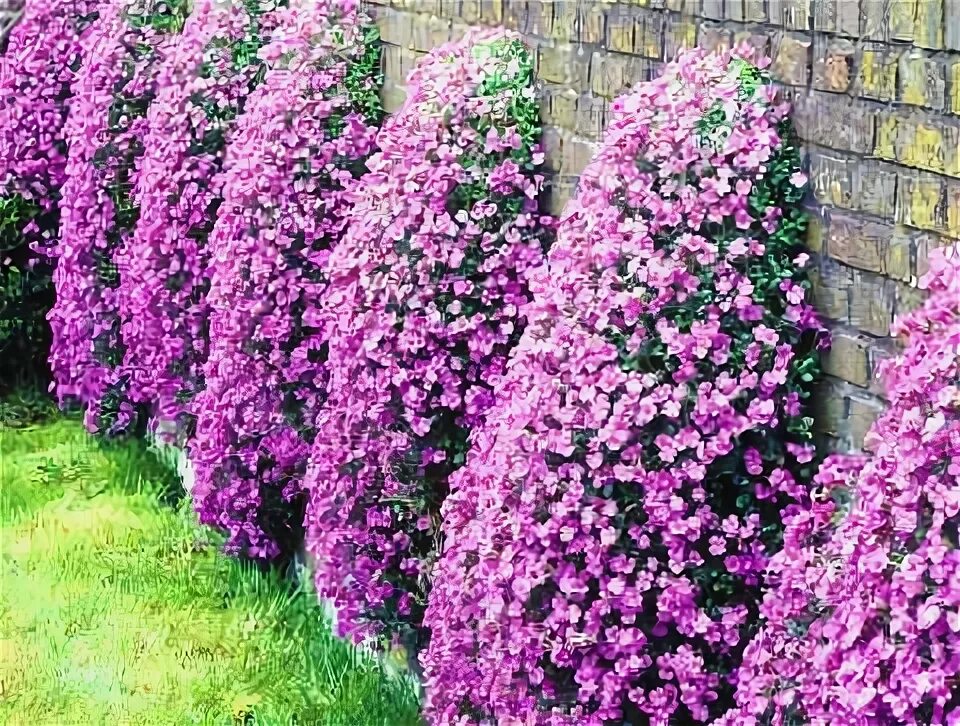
point(116, 607)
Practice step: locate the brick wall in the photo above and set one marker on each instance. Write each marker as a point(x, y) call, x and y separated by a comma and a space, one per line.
point(876, 91)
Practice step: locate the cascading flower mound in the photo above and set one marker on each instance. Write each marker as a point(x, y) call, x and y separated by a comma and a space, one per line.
point(113, 89)
point(203, 86)
point(606, 539)
point(424, 304)
point(863, 611)
point(303, 137)
point(36, 69)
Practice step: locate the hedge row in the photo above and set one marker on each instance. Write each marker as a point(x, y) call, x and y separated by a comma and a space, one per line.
point(566, 463)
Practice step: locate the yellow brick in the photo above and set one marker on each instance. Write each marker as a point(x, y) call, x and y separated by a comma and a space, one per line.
point(621, 36)
point(955, 87)
point(815, 234)
point(878, 77)
point(647, 40)
point(925, 197)
point(902, 21)
point(887, 137)
point(953, 210)
point(914, 82)
point(925, 148)
point(896, 261)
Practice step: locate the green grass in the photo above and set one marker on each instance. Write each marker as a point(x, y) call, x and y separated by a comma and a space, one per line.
point(117, 608)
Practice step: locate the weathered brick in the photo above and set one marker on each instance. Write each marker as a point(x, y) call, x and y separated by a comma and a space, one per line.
point(620, 29)
point(390, 62)
point(733, 10)
point(922, 80)
point(753, 38)
point(648, 35)
point(833, 179)
point(923, 244)
point(559, 192)
point(875, 188)
point(563, 24)
point(563, 64)
point(848, 359)
point(791, 63)
point(469, 11)
point(560, 106)
point(857, 242)
point(898, 259)
point(791, 14)
point(836, 121)
point(591, 23)
point(714, 37)
point(606, 75)
point(681, 32)
point(830, 286)
point(830, 414)
point(929, 27)
point(951, 36)
point(577, 153)
point(837, 16)
point(395, 27)
point(901, 19)
point(712, 9)
point(862, 411)
point(816, 228)
point(888, 128)
point(878, 72)
point(872, 303)
point(953, 72)
point(874, 19)
point(908, 298)
point(591, 116)
point(920, 201)
point(533, 16)
point(429, 33)
point(952, 204)
point(392, 97)
point(552, 141)
point(833, 64)
point(754, 11)
point(491, 12)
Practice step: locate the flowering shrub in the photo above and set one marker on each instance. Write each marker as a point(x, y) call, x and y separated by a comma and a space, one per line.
point(303, 136)
point(112, 92)
point(607, 537)
point(423, 305)
point(203, 85)
point(863, 612)
point(35, 73)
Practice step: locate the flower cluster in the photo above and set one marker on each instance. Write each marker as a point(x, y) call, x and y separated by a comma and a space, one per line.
point(203, 84)
point(423, 306)
point(43, 51)
point(302, 139)
point(606, 540)
point(111, 93)
point(863, 611)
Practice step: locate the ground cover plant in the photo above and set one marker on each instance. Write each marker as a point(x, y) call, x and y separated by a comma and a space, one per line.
point(423, 306)
point(607, 538)
point(117, 81)
point(303, 137)
point(863, 611)
point(36, 69)
point(118, 608)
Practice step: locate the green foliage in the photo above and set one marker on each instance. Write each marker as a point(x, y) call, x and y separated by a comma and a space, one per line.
point(116, 609)
point(26, 294)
